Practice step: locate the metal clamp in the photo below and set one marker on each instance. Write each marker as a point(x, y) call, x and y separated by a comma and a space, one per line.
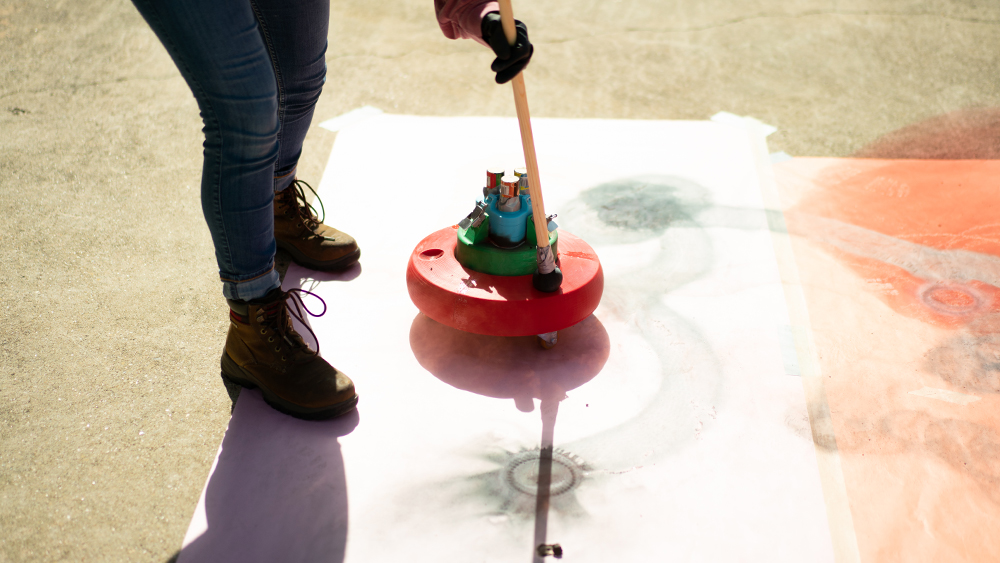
point(475, 218)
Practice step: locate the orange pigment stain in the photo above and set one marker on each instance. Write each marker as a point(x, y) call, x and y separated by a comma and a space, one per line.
point(941, 304)
point(946, 205)
point(922, 475)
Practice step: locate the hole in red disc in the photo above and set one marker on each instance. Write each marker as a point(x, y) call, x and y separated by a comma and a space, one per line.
point(431, 254)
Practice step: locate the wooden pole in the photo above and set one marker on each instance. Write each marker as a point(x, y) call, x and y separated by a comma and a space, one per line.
point(528, 143)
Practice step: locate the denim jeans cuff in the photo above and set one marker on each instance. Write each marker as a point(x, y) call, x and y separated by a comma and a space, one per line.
point(251, 289)
point(282, 182)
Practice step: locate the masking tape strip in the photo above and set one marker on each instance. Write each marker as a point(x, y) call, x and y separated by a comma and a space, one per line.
point(838, 509)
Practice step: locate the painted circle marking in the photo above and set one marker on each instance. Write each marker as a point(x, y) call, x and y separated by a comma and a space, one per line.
point(951, 298)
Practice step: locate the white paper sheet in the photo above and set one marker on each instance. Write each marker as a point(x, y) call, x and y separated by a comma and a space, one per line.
point(681, 436)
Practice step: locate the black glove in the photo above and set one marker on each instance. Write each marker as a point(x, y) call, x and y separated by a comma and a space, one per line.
point(511, 59)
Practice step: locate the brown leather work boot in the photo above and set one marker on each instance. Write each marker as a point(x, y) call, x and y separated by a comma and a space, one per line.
point(263, 350)
point(302, 234)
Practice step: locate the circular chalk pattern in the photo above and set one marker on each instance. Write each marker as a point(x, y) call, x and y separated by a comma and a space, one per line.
point(951, 298)
point(521, 472)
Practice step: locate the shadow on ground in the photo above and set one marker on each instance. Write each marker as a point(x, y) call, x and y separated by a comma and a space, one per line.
point(266, 503)
point(972, 133)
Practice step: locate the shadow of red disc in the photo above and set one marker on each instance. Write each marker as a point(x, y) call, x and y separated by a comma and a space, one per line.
point(511, 367)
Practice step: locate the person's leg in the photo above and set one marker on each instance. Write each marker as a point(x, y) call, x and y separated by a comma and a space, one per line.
point(218, 49)
point(296, 39)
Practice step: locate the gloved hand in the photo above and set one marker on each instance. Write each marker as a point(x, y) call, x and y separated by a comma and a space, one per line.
point(511, 59)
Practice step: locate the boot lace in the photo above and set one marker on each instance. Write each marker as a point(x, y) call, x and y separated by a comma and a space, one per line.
point(305, 210)
point(272, 318)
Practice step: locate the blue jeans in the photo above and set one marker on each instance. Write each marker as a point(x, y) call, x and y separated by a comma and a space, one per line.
point(256, 68)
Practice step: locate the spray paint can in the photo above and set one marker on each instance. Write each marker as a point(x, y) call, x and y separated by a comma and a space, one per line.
point(522, 176)
point(493, 177)
point(510, 199)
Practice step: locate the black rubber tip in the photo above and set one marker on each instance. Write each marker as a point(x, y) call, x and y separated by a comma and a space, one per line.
point(549, 282)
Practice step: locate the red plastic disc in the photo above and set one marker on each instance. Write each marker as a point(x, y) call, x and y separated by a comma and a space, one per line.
point(453, 295)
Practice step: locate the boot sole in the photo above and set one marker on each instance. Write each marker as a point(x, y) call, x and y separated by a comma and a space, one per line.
point(301, 259)
point(233, 374)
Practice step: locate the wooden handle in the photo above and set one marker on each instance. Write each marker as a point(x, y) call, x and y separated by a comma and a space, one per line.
point(507, 21)
point(527, 139)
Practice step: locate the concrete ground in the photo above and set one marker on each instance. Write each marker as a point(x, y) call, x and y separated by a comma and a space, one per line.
point(111, 314)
